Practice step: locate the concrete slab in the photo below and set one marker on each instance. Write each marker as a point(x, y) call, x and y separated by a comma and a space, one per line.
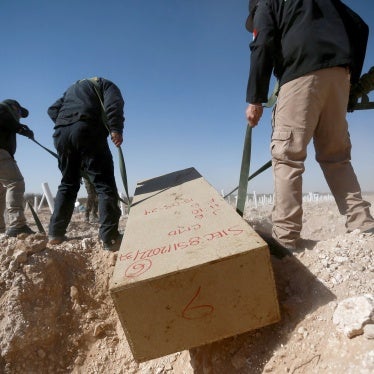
point(190, 270)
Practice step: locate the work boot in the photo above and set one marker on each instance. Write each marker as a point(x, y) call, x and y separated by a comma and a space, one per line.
point(368, 231)
point(55, 240)
point(14, 231)
point(114, 244)
point(276, 249)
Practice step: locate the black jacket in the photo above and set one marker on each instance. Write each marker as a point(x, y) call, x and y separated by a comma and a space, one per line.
point(9, 127)
point(81, 103)
point(293, 38)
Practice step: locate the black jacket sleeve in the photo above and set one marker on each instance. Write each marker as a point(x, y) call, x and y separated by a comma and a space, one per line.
point(358, 33)
point(262, 55)
point(113, 105)
point(54, 109)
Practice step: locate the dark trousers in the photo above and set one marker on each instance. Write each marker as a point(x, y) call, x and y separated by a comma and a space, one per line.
point(83, 145)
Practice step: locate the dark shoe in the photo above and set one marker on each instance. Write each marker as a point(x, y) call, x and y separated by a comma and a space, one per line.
point(302, 244)
point(55, 240)
point(368, 231)
point(114, 244)
point(19, 230)
point(276, 249)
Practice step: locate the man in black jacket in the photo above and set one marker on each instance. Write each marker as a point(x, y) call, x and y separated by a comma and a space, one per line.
point(12, 184)
point(81, 128)
point(316, 49)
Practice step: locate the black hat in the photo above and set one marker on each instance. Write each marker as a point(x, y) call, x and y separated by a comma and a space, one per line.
point(252, 7)
point(24, 112)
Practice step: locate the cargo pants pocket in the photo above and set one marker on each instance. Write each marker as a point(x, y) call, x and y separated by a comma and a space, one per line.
point(280, 144)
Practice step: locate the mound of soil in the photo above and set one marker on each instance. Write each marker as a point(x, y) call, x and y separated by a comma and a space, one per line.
point(56, 314)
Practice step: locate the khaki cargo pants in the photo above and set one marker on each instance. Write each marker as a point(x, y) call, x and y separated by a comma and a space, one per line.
point(314, 107)
point(12, 189)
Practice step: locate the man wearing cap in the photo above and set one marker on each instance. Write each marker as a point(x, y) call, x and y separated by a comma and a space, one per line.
point(12, 185)
point(316, 50)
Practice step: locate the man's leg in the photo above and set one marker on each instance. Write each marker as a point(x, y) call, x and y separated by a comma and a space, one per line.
point(333, 152)
point(64, 207)
point(69, 164)
point(95, 207)
point(100, 168)
point(2, 208)
point(89, 203)
point(12, 179)
point(295, 118)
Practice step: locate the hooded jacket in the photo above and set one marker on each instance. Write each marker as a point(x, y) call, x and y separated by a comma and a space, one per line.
point(80, 102)
point(294, 38)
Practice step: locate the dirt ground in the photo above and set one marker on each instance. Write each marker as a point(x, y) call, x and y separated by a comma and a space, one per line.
point(56, 314)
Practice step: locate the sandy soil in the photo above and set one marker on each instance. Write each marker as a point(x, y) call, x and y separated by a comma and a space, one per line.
point(56, 314)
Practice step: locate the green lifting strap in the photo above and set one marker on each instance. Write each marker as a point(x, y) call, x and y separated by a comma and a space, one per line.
point(257, 172)
point(36, 218)
point(246, 159)
point(48, 150)
point(244, 171)
point(122, 166)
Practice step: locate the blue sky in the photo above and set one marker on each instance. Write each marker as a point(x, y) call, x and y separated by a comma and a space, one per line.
point(182, 66)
